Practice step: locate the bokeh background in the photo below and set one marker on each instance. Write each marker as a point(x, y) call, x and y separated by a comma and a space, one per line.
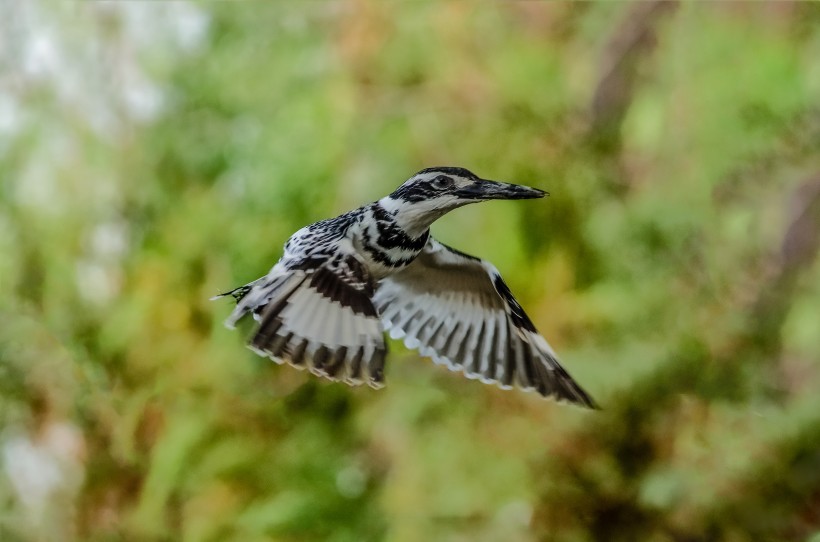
point(155, 153)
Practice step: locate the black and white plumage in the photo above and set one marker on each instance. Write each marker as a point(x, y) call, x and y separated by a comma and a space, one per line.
point(343, 282)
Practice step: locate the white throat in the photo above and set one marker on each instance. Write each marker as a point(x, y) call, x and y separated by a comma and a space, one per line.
point(414, 218)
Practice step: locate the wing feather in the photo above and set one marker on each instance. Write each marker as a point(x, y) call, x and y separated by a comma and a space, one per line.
point(487, 358)
point(320, 318)
point(457, 310)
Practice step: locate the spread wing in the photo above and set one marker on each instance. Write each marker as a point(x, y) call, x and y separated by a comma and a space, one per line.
point(319, 316)
point(457, 310)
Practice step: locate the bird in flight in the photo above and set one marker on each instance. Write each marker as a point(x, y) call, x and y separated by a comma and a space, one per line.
point(344, 281)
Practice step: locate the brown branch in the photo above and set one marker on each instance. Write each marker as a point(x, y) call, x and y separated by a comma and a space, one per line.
point(797, 251)
point(633, 40)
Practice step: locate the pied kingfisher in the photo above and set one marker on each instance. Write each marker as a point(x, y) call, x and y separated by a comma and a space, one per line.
point(343, 281)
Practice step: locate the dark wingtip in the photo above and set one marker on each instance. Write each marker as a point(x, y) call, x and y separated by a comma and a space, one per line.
point(576, 394)
point(582, 398)
point(590, 403)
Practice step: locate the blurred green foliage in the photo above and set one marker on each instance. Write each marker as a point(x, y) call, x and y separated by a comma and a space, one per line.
point(152, 154)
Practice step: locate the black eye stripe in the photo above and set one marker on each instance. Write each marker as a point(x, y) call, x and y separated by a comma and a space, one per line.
point(442, 181)
point(416, 189)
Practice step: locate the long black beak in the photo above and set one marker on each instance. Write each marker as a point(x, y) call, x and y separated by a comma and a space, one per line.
point(483, 189)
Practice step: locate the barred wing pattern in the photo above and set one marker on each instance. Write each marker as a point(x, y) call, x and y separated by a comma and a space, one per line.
point(318, 316)
point(457, 310)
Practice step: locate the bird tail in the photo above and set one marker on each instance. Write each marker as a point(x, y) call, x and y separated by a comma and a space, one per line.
point(236, 293)
point(253, 297)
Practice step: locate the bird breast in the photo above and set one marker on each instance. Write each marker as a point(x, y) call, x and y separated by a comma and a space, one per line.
point(384, 248)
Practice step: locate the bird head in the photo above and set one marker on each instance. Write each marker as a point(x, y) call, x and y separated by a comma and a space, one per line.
point(432, 192)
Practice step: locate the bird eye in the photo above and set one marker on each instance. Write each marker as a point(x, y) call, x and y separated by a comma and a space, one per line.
point(442, 181)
